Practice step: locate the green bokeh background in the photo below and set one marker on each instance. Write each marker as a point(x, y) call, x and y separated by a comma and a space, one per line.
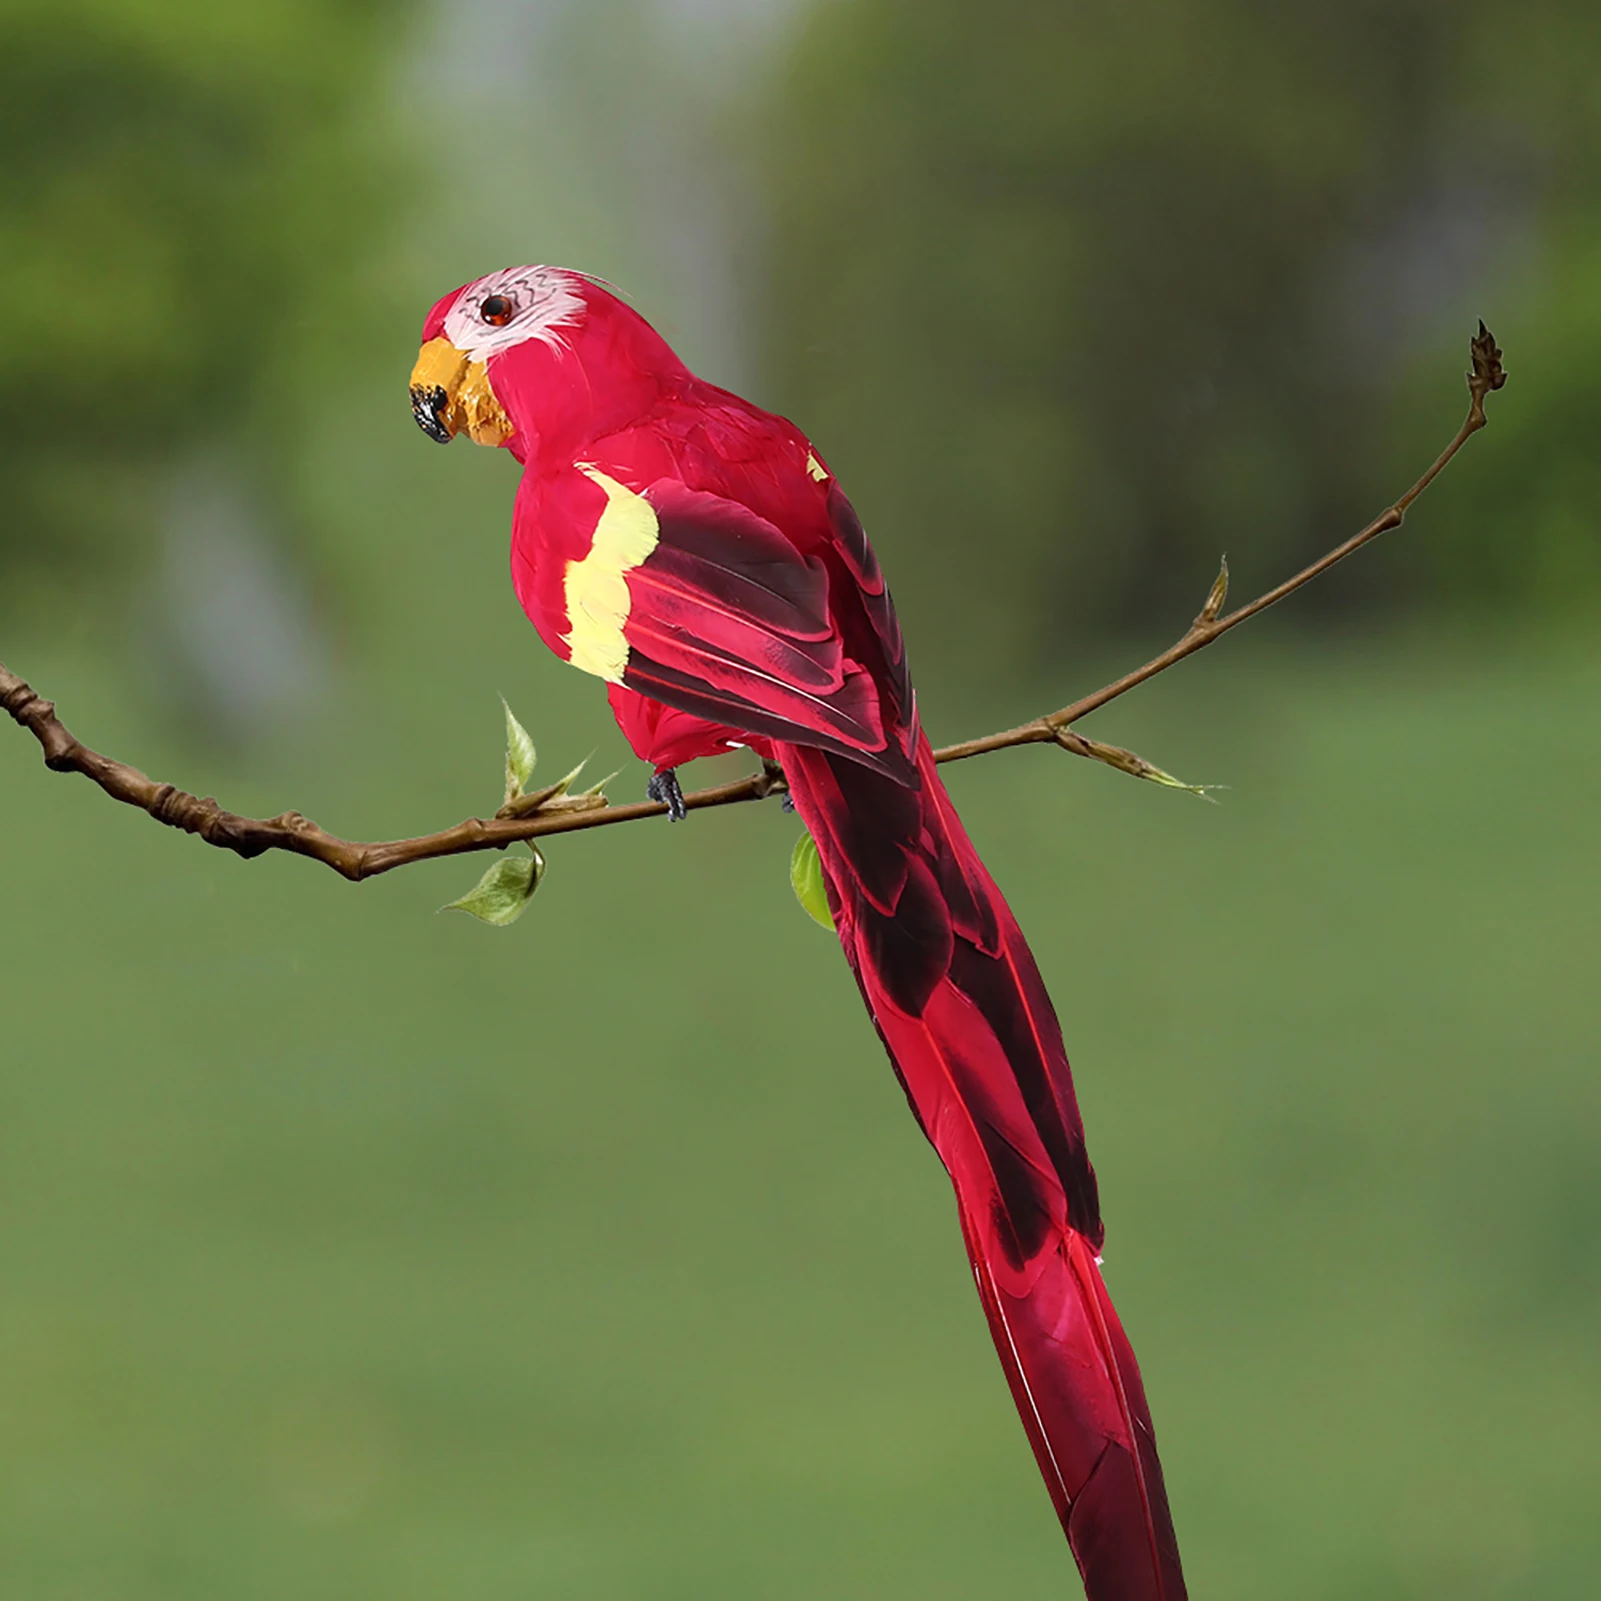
point(348, 1250)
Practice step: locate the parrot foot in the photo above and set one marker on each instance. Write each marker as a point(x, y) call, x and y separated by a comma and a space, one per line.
point(663, 787)
point(771, 781)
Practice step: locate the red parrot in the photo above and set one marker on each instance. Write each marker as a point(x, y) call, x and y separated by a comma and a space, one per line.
point(695, 552)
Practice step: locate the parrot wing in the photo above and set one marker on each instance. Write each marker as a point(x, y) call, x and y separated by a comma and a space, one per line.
point(730, 621)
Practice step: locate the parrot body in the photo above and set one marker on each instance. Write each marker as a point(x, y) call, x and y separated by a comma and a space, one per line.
point(696, 553)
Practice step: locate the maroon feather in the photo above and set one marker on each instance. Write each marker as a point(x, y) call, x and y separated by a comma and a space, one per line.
point(761, 616)
point(962, 1011)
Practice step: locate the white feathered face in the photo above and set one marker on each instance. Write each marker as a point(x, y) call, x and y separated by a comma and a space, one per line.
point(451, 392)
point(512, 305)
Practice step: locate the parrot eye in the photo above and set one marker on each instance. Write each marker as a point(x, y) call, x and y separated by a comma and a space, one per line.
point(496, 311)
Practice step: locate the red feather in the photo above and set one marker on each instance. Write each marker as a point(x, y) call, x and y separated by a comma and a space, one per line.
point(760, 616)
point(962, 1011)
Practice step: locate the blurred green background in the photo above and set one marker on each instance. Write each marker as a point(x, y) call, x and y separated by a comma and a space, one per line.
point(351, 1251)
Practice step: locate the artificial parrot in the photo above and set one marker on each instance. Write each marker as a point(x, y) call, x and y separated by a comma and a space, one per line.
point(696, 553)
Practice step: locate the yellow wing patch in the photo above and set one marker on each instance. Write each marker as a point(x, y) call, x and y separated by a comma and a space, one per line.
point(596, 588)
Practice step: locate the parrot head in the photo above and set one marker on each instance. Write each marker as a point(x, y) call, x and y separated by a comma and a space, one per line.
point(527, 354)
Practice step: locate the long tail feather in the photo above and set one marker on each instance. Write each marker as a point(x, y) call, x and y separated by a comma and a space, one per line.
point(956, 997)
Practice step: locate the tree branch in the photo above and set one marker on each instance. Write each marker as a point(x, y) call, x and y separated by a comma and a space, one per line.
point(534, 817)
point(1487, 374)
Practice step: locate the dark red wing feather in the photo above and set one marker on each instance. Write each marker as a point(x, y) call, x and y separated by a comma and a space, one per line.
point(961, 1008)
point(731, 622)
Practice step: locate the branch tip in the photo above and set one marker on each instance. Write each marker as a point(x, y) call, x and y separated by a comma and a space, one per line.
point(1212, 609)
point(1487, 374)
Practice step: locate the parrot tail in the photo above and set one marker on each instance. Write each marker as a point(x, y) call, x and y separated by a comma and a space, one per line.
point(954, 993)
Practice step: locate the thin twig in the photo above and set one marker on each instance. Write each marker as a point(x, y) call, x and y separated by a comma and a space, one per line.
point(250, 836)
point(1487, 374)
point(253, 836)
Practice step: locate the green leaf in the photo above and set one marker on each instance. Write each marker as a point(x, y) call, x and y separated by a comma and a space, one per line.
point(1127, 761)
point(559, 796)
point(1168, 781)
point(520, 756)
point(565, 783)
point(583, 799)
point(806, 879)
point(502, 895)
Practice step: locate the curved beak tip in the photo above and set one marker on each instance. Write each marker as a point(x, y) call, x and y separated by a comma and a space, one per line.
point(428, 405)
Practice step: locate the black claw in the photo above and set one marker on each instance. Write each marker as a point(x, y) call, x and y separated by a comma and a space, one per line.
point(663, 787)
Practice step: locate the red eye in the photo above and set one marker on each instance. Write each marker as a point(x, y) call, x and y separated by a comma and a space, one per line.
point(496, 310)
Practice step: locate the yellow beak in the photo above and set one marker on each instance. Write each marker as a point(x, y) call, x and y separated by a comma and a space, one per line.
point(450, 394)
